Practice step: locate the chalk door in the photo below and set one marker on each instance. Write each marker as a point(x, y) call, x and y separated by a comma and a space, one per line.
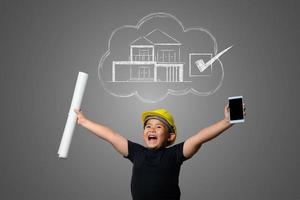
point(144, 73)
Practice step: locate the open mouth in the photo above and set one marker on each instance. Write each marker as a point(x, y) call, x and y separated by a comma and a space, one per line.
point(152, 137)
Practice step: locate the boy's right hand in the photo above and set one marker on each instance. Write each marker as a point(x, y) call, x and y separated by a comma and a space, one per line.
point(80, 116)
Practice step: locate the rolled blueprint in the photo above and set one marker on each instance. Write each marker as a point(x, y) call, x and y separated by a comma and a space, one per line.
point(72, 117)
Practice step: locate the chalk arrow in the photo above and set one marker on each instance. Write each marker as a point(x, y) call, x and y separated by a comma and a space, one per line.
point(202, 66)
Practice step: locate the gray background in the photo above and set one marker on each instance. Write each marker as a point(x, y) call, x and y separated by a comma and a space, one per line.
point(43, 45)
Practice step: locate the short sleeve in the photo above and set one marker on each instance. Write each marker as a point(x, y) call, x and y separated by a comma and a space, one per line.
point(178, 148)
point(133, 149)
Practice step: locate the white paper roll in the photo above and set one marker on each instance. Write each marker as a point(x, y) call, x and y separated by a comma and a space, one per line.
point(72, 118)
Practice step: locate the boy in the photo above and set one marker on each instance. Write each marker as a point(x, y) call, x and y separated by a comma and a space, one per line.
point(156, 166)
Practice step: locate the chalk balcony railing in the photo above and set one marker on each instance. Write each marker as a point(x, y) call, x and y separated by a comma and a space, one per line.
point(142, 58)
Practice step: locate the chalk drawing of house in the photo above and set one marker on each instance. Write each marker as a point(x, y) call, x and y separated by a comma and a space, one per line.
point(154, 57)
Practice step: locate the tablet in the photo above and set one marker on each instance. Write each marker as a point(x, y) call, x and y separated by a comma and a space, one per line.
point(236, 109)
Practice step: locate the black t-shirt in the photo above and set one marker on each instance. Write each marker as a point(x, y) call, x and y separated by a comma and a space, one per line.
point(155, 173)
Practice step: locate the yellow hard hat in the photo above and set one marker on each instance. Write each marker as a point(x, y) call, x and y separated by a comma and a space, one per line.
point(161, 114)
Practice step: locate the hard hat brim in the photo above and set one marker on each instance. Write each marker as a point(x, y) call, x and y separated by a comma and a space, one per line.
point(147, 114)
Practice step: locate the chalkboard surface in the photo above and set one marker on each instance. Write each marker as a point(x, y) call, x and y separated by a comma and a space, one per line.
point(44, 44)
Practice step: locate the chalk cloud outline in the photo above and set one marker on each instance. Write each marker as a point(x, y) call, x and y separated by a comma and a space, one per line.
point(169, 91)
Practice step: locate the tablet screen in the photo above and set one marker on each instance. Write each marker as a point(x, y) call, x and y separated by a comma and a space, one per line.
point(236, 109)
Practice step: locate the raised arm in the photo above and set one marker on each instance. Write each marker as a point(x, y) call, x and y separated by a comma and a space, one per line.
point(193, 144)
point(116, 140)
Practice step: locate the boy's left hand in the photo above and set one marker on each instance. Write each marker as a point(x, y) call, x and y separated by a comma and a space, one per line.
point(227, 113)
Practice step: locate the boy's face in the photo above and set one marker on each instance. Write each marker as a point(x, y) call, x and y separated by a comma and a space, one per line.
point(156, 134)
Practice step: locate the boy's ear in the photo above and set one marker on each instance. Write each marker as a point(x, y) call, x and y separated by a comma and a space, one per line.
point(171, 137)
